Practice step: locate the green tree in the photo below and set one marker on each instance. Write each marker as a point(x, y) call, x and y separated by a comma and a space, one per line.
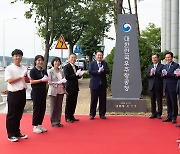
point(149, 42)
point(109, 59)
point(68, 17)
point(152, 35)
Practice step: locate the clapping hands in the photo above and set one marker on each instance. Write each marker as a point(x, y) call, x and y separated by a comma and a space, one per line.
point(45, 78)
point(164, 72)
point(62, 81)
point(101, 69)
point(153, 70)
point(79, 73)
point(177, 72)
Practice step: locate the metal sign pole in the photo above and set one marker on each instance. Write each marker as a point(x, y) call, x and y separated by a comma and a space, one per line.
point(62, 55)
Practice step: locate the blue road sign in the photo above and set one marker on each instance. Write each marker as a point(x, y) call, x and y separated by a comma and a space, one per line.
point(77, 49)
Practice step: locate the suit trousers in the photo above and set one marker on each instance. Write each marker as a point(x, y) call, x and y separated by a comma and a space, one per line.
point(16, 103)
point(156, 95)
point(96, 94)
point(172, 108)
point(56, 108)
point(39, 108)
point(71, 102)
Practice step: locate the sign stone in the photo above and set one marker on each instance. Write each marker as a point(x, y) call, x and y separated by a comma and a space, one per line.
point(126, 82)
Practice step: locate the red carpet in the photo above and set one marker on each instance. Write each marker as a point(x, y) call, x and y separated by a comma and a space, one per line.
point(116, 135)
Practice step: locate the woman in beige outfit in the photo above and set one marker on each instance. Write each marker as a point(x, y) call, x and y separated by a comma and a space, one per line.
point(56, 92)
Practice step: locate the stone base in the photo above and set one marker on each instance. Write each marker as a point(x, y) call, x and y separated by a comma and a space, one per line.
point(126, 105)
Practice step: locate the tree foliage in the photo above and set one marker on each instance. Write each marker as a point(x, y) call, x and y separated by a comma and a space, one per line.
point(71, 18)
point(149, 42)
point(109, 59)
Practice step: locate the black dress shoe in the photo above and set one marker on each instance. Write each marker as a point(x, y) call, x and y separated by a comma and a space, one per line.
point(102, 117)
point(159, 117)
point(74, 119)
point(152, 116)
point(174, 121)
point(69, 120)
point(178, 125)
point(167, 120)
point(91, 118)
point(57, 125)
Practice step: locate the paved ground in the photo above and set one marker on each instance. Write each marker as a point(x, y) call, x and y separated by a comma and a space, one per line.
point(83, 100)
point(84, 103)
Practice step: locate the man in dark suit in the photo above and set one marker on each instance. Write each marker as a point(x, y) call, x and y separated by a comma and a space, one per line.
point(72, 74)
point(155, 86)
point(98, 84)
point(177, 72)
point(169, 87)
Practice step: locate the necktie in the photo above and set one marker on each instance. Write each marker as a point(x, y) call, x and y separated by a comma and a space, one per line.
point(155, 66)
point(99, 65)
point(74, 69)
point(168, 67)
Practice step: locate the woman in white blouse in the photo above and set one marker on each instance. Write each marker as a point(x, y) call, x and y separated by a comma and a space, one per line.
point(56, 92)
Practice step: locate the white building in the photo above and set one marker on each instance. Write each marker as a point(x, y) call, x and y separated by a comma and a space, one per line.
point(170, 31)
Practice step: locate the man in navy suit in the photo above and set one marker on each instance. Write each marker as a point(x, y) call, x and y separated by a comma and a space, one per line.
point(155, 86)
point(169, 87)
point(98, 84)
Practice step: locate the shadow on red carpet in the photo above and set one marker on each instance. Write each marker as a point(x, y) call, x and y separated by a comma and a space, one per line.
point(115, 135)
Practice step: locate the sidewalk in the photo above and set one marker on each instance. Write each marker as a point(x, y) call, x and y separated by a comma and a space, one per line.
point(82, 107)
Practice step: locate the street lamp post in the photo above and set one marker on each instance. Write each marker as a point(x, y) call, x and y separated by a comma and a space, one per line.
point(4, 26)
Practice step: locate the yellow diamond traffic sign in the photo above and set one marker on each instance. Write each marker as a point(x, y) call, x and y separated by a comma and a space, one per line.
point(61, 43)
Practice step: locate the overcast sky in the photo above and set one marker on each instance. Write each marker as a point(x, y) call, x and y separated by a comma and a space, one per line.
point(21, 33)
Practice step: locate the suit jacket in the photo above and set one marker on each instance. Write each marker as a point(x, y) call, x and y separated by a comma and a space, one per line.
point(170, 80)
point(178, 85)
point(54, 87)
point(155, 81)
point(97, 77)
point(72, 79)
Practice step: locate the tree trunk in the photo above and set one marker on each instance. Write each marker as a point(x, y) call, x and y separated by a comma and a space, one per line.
point(117, 10)
point(129, 3)
point(46, 57)
point(137, 20)
point(90, 57)
point(49, 34)
point(71, 46)
point(119, 6)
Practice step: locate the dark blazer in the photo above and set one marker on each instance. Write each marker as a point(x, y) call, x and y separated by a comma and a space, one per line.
point(97, 77)
point(155, 81)
point(170, 81)
point(178, 85)
point(72, 79)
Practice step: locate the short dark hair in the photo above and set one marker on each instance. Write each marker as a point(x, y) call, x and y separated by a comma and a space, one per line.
point(72, 54)
point(155, 54)
point(55, 59)
point(170, 53)
point(37, 57)
point(17, 52)
point(99, 51)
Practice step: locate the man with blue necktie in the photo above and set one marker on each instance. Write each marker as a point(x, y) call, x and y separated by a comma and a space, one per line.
point(98, 84)
point(169, 87)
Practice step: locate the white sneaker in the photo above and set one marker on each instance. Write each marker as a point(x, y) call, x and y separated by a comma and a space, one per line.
point(36, 129)
point(42, 128)
point(13, 139)
point(22, 136)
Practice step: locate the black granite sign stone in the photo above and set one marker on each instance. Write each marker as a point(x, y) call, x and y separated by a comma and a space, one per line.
point(126, 75)
point(126, 105)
